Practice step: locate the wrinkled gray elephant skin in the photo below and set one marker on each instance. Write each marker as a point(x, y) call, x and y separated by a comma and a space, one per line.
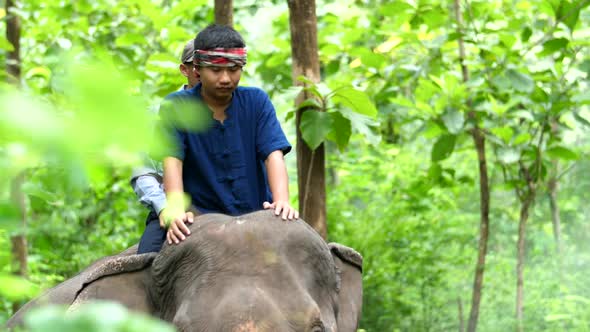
point(254, 272)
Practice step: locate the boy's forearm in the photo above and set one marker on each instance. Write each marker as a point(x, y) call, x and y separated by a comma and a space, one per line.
point(173, 181)
point(278, 179)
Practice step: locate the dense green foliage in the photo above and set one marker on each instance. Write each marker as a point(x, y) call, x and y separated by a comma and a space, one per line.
point(403, 183)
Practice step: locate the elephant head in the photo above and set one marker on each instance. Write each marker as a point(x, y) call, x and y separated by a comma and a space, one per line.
point(254, 272)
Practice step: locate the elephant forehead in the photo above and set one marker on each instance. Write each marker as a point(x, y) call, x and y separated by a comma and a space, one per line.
point(254, 229)
point(260, 239)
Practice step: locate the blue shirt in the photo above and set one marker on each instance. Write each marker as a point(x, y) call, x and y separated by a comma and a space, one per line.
point(223, 165)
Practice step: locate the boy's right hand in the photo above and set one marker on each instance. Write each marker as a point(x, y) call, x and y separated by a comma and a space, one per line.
point(175, 222)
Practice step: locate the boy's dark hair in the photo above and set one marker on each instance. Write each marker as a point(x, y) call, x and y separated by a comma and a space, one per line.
point(218, 36)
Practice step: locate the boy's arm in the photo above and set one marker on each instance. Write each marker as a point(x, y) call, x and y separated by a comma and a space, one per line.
point(175, 216)
point(278, 181)
point(149, 191)
point(146, 182)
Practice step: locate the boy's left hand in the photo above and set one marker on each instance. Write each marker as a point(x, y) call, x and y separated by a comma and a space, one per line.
point(282, 207)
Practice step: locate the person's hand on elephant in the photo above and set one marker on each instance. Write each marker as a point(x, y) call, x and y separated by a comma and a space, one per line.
point(288, 212)
point(175, 222)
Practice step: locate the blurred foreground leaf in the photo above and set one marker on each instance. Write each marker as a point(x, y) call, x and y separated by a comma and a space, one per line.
point(15, 288)
point(92, 121)
point(92, 317)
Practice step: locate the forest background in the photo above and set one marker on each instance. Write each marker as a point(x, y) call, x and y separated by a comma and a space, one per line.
point(404, 182)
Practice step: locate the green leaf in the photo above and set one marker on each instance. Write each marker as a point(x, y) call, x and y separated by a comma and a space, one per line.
point(432, 130)
point(311, 88)
point(502, 83)
point(39, 71)
point(425, 90)
point(97, 316)
point(443, 148)
point(342, 129)
point(370, 58)
point(549, 7)
point(402, 101)
point(315, 126)
point(582, 97)
point(525, 34)
point(578, 298)
point(553, 45)
point(358, 101)
point(435, 171)
point(434, 17)
point(508, 155)
point(28, 116)
point(305, 80)
point(581, 119)
point(186, 114)
point(320, 90)
point(557, 317)
point(363, 125)
point(401, 10)
point(162, 62)
point(290, 115)
point(275, 60)
point(323, 89)
point(329, 50)
point(519, 81)
point(505, 133)
point(438, 81)
point(569, 12)
point(5, 44)
point(494, 106)
point(312, 103)
point(453, 120)
point(522, 114)
point(522, 138)
point(508, 39)
point(561, 152)
point(130, 39)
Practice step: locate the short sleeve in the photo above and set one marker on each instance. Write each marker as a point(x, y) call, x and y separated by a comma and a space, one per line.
point(269, 134)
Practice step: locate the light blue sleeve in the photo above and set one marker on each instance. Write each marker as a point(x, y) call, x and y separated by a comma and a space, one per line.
point(150, 191)
point(147, 183)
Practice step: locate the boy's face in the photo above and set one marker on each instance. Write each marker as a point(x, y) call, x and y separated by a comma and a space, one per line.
point(219, 82)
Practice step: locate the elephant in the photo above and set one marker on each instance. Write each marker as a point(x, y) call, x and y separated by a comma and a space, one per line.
point(254, 272)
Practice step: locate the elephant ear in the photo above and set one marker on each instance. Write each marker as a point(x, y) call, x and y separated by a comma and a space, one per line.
point(350, 297)
point(101, 280)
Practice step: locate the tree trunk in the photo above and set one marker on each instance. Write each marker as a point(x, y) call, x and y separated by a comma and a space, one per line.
point(555, 218)
point(224, 12)
point(13, 35)
point(484, 225)
point(460, 313)
point(526, 200)
point(310, 164)
point(524, 216)
point(19, 241)
point(484, 189)
point(552, 185)
point(13, 69)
